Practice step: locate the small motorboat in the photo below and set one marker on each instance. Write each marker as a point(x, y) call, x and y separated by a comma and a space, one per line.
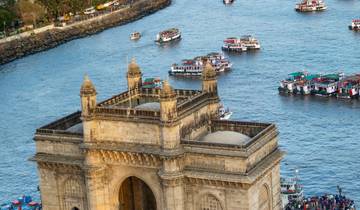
point(135, 35)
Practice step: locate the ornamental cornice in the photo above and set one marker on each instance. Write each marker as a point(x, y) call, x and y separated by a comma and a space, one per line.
point(128, 158)
point(217, 183)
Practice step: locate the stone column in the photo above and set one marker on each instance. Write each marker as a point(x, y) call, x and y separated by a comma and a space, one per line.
point(97, 188)
point(172, 181)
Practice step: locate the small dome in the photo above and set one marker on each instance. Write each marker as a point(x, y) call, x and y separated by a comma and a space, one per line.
point(87, 87)
point(167, 90)
point(226, 137)
point(133, 68)
point(208, 71)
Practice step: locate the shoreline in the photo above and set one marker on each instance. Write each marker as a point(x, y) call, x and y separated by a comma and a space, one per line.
point(21, 47)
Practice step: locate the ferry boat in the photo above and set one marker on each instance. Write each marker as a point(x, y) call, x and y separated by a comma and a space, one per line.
point(349, 87)
point(152, 83)
point(193, 67)
point(355, 25)
point(337, 84)
point(135, 35)
point(291, 191)
point(310, 6)
point(224, 113)
point(234, 44)
point(168, 35)
point(24, 203)
point(250, 42)
point(228, 1)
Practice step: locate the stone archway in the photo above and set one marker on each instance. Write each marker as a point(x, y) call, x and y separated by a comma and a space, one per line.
point(135, 194)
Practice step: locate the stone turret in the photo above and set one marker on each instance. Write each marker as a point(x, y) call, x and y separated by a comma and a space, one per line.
point(133, 75)
point(209, 82)
point(88, 97)
point(167, 102)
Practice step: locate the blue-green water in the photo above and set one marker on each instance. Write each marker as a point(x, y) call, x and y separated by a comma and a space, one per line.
point(321, 136)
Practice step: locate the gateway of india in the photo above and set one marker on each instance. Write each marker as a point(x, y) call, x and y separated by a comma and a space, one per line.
point(157, 149)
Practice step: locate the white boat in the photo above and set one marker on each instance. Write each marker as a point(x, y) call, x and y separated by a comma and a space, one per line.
point(193, 67)
point(135, 36)
point(228, 1)
point(224, 113)
point(310, 6)
point(355, 25)
point(245, 43)
point(168, 35)
point(291, 191)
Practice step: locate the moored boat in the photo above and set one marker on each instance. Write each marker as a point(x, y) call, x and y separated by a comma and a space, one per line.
point(355, 25)
point(152, 83)
point(291, 191)
point(310, 6)
point(135, 35)
point(23, 203)
point(337, 84)
point(224, 113)
point(168, 35)
point(193, 67)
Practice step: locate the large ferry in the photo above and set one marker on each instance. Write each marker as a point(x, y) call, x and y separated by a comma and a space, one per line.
point(310, 6)
point(234, 44)
point(355, 25)
point(193, 67)
point(168, 35)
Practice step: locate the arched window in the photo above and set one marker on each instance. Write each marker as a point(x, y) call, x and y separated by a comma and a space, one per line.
point(209, 202)
point(75, 208)
point(264, 198)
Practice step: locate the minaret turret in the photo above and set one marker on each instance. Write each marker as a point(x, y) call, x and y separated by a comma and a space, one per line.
point(168, 110)
point(209, 82)
point(88, 97)
point(133, 75)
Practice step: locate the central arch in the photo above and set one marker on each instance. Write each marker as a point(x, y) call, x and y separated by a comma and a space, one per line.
point(135, 194)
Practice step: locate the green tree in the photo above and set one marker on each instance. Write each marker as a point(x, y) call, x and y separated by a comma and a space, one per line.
point(6, 17)
point(30, 12)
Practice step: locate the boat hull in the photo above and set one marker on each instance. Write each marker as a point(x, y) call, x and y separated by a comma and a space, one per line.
point(161, 41)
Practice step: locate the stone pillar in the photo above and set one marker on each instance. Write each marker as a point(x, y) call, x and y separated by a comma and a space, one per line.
point(48, 188)
point(173, 185)
point(174, 193)
point(97, 188)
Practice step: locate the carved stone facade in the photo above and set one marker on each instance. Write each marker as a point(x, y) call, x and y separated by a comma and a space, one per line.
point(157, 149)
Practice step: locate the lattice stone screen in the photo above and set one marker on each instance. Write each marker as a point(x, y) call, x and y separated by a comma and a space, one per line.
point(209, 202)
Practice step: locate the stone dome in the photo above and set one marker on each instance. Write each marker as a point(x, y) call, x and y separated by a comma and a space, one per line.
point(167, 90)
point(226, 137)
point(208, 71)
point(87, 86)
point(133, 67)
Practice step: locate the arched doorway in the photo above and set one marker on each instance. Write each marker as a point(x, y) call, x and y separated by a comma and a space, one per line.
point(135, 194)
point(75, 208)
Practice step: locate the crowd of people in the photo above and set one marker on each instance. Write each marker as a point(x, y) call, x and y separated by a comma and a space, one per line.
point(324, 202)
